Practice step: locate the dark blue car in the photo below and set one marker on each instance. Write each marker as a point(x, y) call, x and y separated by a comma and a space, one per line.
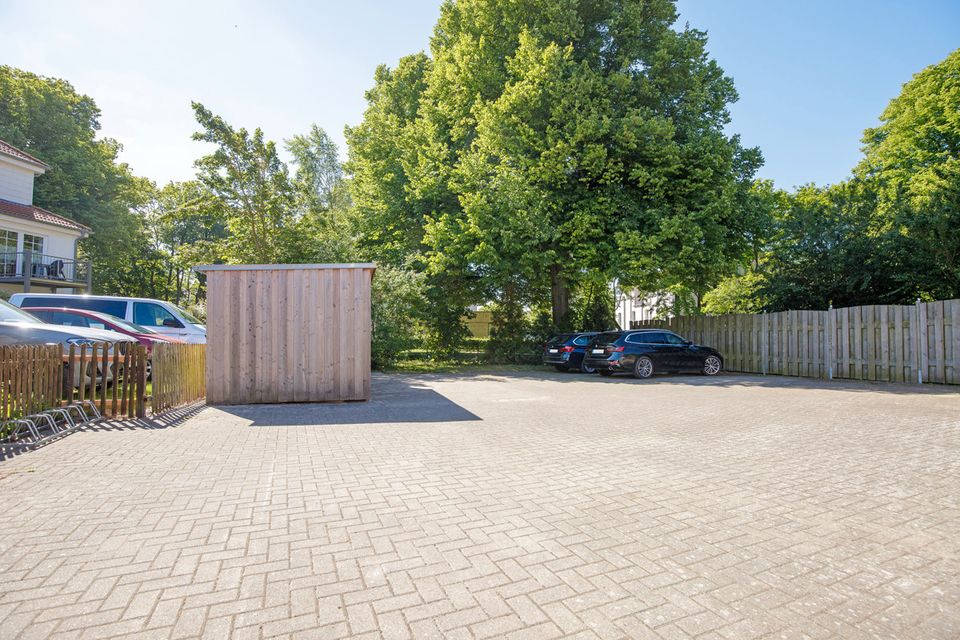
point(565, 351)
point(648, 351)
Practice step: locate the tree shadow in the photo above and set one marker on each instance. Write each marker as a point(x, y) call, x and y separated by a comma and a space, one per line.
point(394, 399)
point(723, 380)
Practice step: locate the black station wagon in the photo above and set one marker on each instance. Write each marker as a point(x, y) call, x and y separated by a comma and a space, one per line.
point(648, 351)
point(565, 351)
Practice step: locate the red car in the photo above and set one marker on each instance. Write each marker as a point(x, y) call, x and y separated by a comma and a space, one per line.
point(97, 320)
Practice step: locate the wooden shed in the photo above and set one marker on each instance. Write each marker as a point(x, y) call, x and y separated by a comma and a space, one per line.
point(288, 333)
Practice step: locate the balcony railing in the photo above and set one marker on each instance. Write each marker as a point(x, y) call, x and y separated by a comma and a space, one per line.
point(45, 270)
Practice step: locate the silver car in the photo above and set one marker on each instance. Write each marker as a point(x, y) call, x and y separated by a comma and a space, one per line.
point(19, 327)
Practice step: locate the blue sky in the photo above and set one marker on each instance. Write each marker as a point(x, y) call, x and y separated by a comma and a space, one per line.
point(811, 75)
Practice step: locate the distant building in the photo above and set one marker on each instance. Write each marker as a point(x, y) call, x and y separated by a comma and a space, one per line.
point(634, 305)
point(38, 248)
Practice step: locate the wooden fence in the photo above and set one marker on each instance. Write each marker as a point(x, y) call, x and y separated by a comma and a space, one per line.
point(892, 343)
point(34, 378)
point(178, 375)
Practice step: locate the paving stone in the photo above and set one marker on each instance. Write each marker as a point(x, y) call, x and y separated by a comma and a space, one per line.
point(500, 506)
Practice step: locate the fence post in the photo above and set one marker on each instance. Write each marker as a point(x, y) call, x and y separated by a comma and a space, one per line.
point(831, 335)
point(920, 348)
point(764, 346)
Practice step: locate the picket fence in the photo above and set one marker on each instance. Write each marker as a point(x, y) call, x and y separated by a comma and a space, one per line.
point(35, 378)
point(178, 375)
point(891, 343)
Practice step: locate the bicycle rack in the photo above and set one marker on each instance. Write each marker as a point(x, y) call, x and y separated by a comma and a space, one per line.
point(43, 427)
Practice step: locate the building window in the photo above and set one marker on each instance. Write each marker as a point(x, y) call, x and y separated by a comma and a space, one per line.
point(8, 241)
point(8, 252)
point(33, 243)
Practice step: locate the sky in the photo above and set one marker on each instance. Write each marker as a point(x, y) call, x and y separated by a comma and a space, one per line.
point(811, 75)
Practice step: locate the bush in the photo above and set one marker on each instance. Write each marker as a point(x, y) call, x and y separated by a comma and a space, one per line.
point(397, 300)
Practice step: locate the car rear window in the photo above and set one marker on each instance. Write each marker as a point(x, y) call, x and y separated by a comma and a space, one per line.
point(608, 337)
point(558, 340)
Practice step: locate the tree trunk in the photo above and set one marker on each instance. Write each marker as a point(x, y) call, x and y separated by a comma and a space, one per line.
point(559, 298)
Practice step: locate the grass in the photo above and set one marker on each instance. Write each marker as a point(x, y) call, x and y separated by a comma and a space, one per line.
point(453, 366)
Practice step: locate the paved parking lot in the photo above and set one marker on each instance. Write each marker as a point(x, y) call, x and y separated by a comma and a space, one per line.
point(528, 506)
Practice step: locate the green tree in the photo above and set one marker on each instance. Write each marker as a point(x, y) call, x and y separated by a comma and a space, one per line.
point(381, 152)
point(245, 173)
point(319, 174)
point(396, 301)
point(544, 140)
point(186, 226)
point(912, 161)
point(48, 118)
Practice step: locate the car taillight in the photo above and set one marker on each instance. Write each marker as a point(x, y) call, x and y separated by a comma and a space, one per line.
point(613, 349)
point(567, 349)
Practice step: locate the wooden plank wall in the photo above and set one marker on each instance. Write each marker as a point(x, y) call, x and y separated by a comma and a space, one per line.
point(889, 343)
point(288, 335)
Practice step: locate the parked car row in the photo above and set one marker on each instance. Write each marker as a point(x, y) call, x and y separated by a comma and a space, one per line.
point(159, 316)
point(639, 352)
point(75, 321)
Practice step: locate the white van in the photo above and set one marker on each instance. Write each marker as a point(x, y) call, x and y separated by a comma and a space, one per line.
point(162, 317)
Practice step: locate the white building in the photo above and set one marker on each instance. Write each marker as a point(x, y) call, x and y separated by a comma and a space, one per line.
point(38, 248)
point(634, 305)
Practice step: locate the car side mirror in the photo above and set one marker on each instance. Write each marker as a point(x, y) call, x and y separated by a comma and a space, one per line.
point(688, 343)
point(173, 323)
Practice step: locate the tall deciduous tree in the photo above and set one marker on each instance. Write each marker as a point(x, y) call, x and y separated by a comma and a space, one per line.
point(319, 174)
point(548, 139)
point(49, 119)
point(246, 174)
point(912, 161)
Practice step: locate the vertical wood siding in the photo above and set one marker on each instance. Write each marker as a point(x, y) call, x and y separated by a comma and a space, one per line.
point(288, 335)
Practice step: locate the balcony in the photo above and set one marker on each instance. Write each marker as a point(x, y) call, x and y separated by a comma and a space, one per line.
point(40, 270)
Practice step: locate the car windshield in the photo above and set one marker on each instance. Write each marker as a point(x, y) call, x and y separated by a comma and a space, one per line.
point(10, 313)
point(189, 317)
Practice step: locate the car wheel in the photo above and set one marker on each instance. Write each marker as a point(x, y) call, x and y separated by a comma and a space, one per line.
point(643, 368)
point(605, 373)
point(584, 368)
point(712, 366)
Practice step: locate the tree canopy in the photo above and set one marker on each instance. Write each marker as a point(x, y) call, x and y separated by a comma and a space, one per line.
point(543, 141)
point(49, 119)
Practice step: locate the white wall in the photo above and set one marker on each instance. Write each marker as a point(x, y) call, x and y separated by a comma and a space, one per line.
point(634, 305)
point(57, 241)
point(16, 182)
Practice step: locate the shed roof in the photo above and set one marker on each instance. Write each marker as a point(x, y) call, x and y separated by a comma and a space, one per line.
point(282, 267)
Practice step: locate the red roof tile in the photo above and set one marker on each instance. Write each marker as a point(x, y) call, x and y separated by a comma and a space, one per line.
point(36, 214)
point(11, 150)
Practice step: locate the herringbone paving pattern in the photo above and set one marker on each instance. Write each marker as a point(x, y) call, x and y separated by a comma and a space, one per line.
point(532, 506)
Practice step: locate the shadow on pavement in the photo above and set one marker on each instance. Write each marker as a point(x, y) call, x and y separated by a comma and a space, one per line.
point(395, 399)
point(723, 380)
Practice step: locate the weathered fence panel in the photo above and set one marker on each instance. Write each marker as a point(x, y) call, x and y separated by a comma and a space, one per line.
point(178, 375)
point(889, 343)
point(29, 379)
point(34, 378)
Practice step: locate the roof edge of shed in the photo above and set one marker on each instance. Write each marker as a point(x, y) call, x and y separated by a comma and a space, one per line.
point(282, 267)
